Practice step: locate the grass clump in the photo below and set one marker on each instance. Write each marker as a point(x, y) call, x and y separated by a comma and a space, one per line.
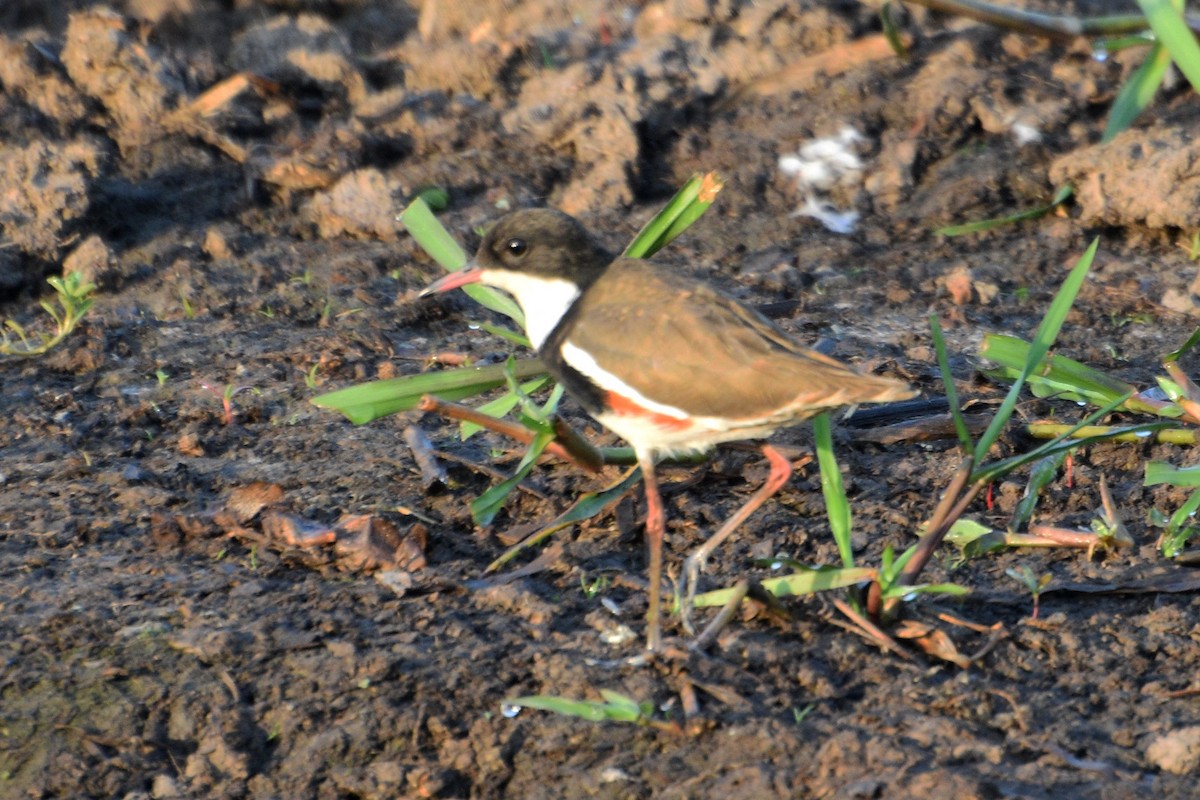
point(73, 298)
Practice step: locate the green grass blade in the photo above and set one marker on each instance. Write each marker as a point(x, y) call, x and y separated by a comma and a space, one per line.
point(507, 334)
point(801, 583)
point(1058, 442)
point(1060, 197)
point(618, 709)
point(688, 204)
point(1059, 376)
point(1059, 373)
point(435, 197)
point(627, 706)
point(1137, 92)
point(901, 592)
point(369, 401)
point(1175, 355)
point(1172, 31)
point(501, 406)
point(836, 504)
point(1112, 44)
point(710, 187)
point(1041, 475)
point(1047, 332)
point(939, 346)
point(1179, 529)
point(423, 226)
point(493, 300)
point(1161, 472)
point(585, 506)
point(1064, 443)
point(485, 507)
point(891, 29)
point(648, 239)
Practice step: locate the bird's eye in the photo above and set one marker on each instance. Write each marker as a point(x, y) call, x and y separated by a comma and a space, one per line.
point(516, 247)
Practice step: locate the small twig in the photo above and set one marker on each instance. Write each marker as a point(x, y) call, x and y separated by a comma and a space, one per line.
point(871, 631)
point(722, 619)
point(997, 635)
point(952, 505)
point(505, 428)
point(491, 472)
point(546, 559)
point(694, 722)
point(924, 429)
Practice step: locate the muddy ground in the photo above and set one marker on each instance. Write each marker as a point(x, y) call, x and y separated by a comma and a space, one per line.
point(228, 172)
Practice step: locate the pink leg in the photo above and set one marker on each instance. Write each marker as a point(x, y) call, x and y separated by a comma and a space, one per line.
point(781, 470)
point(655, 527)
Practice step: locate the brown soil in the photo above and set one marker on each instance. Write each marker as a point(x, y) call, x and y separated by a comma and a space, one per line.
point(161, 638)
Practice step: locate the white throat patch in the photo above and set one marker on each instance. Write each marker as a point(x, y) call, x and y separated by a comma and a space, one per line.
point(544, 300)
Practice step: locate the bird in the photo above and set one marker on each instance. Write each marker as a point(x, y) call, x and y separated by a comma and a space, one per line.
point(662, 359)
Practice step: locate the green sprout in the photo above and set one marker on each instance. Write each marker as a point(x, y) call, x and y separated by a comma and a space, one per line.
point(73, 296)
point(594, 587)
point(1034, 585)
point(615, 707)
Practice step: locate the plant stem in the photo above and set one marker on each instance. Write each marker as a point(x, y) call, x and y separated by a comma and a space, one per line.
point(1061, 28)
point(1051, 430)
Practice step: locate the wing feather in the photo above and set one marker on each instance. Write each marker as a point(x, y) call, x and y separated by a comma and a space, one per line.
point(738, 365)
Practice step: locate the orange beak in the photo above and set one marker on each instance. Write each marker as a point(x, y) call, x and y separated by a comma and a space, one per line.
point(471, 273)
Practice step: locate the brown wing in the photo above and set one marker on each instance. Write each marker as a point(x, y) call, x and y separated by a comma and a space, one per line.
point(681, 343)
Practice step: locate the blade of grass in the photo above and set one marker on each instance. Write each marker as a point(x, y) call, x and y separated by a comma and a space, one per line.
point(710, 186)
point(485, 507)
point(989, 472)
point(836, 504)
point(1049, 430)
point(995, 469)
point(585, 506)
point(804, 582)
point(1172, 30)
point(422, 225)
point(900, 592)
point(891, 29)
point(1059, 375)
point(688, 204)
point(939, 346)
point(370, 401)
point(1175, 355)
point(1047, 332)
point(1041, 475)
point(1060, 197)
point(615, 708)
point(507, 334)
point(419, 221)
point(1137, 92)
point(1162, 472)
point(539, 414)
point(1179, 530)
